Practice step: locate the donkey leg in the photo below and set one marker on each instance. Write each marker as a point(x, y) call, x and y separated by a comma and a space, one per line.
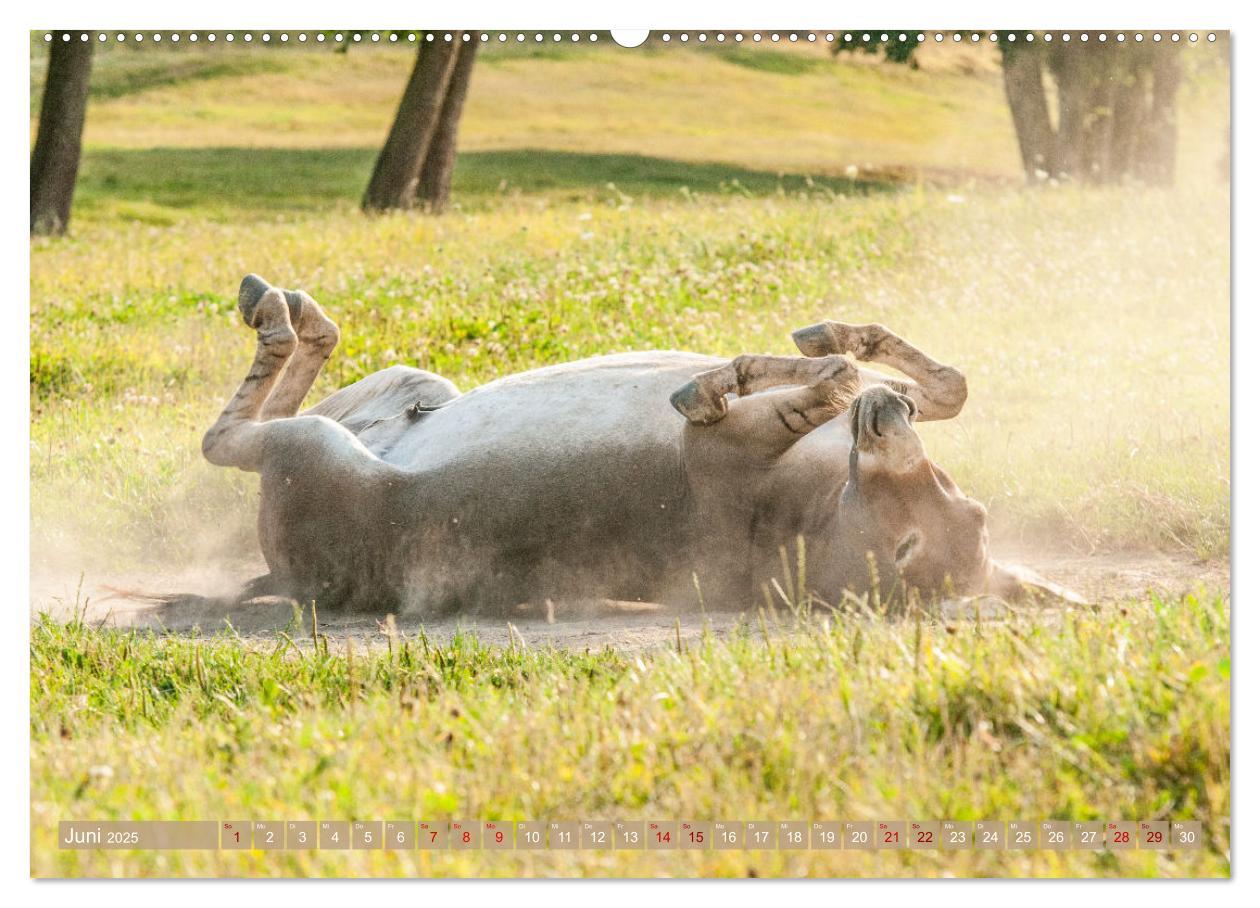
point(235, 440)
point(317, 338)
point(765, 425)
point(703, 399)
point(938, 391)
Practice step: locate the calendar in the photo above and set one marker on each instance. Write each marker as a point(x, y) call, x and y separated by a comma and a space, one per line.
point(633, 835)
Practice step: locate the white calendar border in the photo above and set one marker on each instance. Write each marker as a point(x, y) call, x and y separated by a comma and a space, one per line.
point(1203, 14)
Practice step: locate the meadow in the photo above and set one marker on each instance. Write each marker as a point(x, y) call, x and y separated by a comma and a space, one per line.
point(1097, 717)
point(607, 201)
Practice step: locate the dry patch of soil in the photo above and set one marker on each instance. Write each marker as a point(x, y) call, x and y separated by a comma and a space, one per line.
point(594, 626)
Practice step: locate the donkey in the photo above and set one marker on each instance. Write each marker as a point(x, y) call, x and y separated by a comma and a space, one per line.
point(657, 477)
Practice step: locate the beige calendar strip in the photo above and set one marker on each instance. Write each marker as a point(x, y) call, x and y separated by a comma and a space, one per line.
point(634, 835)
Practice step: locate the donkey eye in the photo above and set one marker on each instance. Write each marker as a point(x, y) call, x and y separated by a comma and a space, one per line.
point(906, 547)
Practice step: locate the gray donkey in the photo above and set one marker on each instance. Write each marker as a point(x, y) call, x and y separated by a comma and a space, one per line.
point(654, 476)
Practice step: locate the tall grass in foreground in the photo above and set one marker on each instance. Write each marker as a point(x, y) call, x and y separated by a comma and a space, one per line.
point(1118, 714)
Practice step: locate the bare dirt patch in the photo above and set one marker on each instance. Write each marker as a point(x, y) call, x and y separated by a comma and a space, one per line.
point(629, 627)
point(1103, 578)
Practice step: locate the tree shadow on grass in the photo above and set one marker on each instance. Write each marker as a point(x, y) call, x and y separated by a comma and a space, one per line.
point(165, 184)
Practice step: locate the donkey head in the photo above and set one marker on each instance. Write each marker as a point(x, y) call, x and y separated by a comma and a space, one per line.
point(905, 513)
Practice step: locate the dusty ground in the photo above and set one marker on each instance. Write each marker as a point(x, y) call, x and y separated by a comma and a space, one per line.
point(625, 626)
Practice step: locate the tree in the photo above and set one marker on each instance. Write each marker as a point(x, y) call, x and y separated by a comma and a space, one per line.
point(1116, 111)
point(59, 140)
point(416, 162)
point(1026, 97)
point(434, 191)
point(1116, 108)
point(896, 46)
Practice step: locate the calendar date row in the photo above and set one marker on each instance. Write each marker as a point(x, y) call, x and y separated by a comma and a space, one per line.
point(650, 835)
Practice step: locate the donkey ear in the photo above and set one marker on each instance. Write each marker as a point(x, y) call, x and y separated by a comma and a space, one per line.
point(1018, 584)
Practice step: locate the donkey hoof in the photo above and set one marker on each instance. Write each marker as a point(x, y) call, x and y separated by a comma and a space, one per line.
point(815, 341)
point(252, 289)
point(699, 408)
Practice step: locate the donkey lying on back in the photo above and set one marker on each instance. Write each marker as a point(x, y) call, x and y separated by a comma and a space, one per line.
point(636, 476)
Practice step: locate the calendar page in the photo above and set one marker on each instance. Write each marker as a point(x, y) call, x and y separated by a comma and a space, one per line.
point(786, 451)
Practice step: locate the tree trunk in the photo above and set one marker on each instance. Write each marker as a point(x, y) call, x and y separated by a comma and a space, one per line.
point(1126, 128)
point(59, 141)
point(439, 164)
point(397, 169)
point(1098, 128)
point(1072, 82)
point(1026, 96)
point(1161, 125)
point(1116, 109)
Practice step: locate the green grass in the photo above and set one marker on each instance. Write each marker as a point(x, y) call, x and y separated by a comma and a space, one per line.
point(165, 185)
point(695, 105)
point(120, 70)
point(1116, 715)
point(771, 61)
point(611, 201)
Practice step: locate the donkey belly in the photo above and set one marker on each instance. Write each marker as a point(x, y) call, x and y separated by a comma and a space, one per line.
point(558, 483)
point(567, 482)
point(603, 401)
point(493, 533)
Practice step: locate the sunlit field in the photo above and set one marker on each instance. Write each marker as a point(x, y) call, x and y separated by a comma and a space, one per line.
point(1122, 715)
point(605, 200)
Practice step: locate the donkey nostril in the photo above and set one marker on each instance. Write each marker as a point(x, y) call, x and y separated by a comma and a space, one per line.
point(905, 548)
